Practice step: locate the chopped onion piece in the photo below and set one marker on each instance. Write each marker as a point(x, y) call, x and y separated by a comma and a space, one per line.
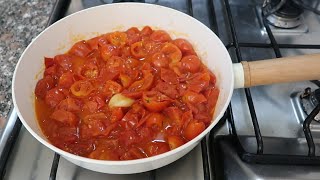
point(119, 100)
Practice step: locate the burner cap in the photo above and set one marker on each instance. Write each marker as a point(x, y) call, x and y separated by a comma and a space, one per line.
point(288, 16)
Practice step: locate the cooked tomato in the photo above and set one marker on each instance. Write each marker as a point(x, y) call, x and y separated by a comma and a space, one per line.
point(160, 60)
point(80, 48)
point(54, 97)
point(81, 88)
point(66, 80)
point(175, 141)
point(193, 129)
point(155, 101)
point(146, 31)
point(172, 51)
point(125, 95)
point(65, 117)
point(44, 85)
point(190, 63)
point(155, 148)
point(117, 38)
point(169, 76)
point(185, 46)
point(160, 36)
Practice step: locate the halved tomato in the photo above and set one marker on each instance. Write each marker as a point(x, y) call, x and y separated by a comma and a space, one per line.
point(81, 88)
point(155, 101)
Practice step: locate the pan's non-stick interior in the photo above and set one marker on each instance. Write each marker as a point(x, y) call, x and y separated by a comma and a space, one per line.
point(98, 20)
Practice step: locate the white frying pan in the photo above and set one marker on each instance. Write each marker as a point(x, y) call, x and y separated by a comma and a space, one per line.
point(89, 23)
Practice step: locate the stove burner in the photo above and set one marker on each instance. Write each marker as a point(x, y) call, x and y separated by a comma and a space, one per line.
point(283, 13)
point(309, 100)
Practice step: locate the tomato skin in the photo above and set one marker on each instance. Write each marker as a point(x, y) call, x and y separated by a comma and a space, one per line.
point(133, 35)
point(159, 60)
point(66, 80)
point(154, 119)
point(167, 89)
point(169, 76)
point(199, 82)
point(146, 31)
point(193, 130)
point(190, 63)
point(80, 48)
point(175, 141)
point(172, 52)
point(70, 104)
point(155, 101)
point(160, 36)
point(133, 153)
point(212, 95)
point(107, 51)
point(44, 85)
point(54, 97)
point(104, 154)
point(185, 46)
point(48, 62)
point(64, 61)
point(155, 148)
point(65, 117)
point(193, 98)
point(143, 84)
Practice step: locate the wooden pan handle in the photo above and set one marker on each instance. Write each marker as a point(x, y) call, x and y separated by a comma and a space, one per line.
point(280, 70)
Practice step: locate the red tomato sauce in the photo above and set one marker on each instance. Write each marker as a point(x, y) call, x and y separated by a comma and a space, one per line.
point(168, 95)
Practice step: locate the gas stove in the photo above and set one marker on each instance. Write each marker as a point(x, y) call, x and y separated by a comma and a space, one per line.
point(268, 132)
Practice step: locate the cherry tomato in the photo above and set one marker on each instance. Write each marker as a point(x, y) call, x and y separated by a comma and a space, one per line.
point(81, 88)
point(193, 130)
point(116, 114)
point(104, 154)
point(117, 38)
point(44, 85)
point(169, 76)
point(154, 119)
point(212, 95)
point(111, 88)
point(66, 80)
point(199, 82)
point(48, 62)
point(193, 98)
point(133, 153)
point(138, 49)
point(155, 101)
point(160, 60)
point(160, 36)
point(174, 114)
point(65, 117)
point(167, 89)
point(64, 61)
point(133, 35)
point(185, 46)
point(146, 31)
point(172, 52)
point(54, 97)
point(155, 148)
point(143, 84)
point(108, 50)
point(80, 48)
point(70, 104)
point(175, 141)
point(190, 63)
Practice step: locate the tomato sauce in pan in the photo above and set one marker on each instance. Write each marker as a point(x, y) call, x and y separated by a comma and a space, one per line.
point(125, 95)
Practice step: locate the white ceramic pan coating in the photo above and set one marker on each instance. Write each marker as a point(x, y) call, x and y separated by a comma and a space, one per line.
point(59, 37)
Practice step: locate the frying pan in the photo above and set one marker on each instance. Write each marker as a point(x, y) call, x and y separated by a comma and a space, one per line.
point(88, 23)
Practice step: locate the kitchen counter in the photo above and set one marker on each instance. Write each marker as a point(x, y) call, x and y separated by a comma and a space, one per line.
point(20, 22)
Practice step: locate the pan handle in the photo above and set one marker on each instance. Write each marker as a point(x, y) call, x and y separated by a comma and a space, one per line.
point(278, 70)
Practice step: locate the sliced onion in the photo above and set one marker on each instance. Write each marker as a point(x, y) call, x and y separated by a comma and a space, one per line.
point(119, 100)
